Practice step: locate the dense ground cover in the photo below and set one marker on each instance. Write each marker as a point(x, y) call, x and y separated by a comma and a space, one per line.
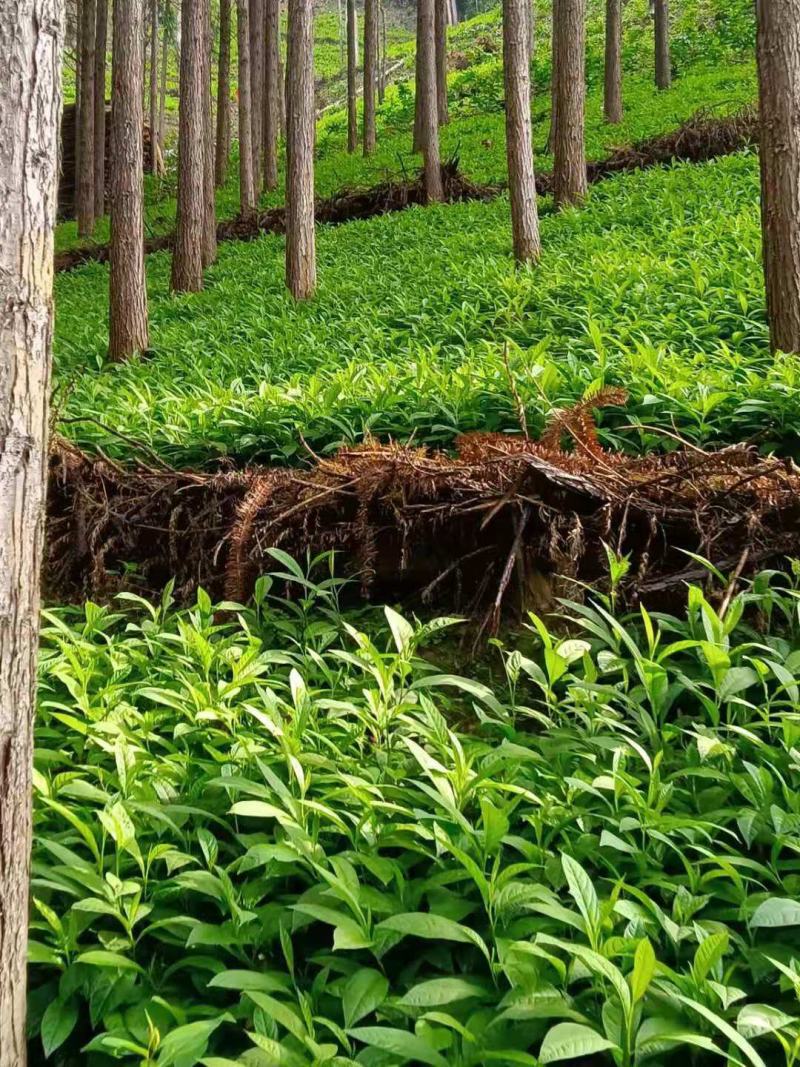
point(283, 831)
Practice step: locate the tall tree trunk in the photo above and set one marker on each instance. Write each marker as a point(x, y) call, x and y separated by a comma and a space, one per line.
point(283, 80)
point(661, 31)
point(382, 52)
point(247, 193)
point(209, 199)
point(301, 267)
point(352, 73)
point(272, 92)
point(155, 146)
point(429, 116)
point(31, 38)
point(612, 80)
point(187, 256)
point(519, 135)
point(162, 92)
point(442, 19)
point(548, 147)
point(223, 95)
point(85, 176)
point(569, 162)
point(370, 72)
point(78, 102)
point(101, 46)
point(416, 144)
point(778, 54)
point(127, 285)
point(257, 24)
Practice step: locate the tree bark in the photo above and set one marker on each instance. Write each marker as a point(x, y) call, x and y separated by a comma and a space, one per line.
point(101, 47)
point(382, 52)
point(519, 135)
point(352, 74)
point(301, 270)
point(85, 176)
point(127, 285)
point(257, 24)
point(223, 95)
point(162, 104)
point(416, 144)
point(612, 82)
point(209, 198)
point(778, 55)
point(429, 116)
point(661, 31)
point(155, 133)
point(187, 257)
point(31, 38)
point(272, 92)
point(442, 18)
point(247, 193)
point(370, 72)
point(569, 160)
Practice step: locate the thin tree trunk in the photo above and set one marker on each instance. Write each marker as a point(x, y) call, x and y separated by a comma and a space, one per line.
point(31, 39)
point(283, 82)
point(569, 159)
point(187, 257)
point(209, 198)
point(778, 54)
point(101, 45)
point(272, 92)
point(519, 135)
point(548, 147)
point(127, 285)
point(612, 83)
point(78, 102)
point(342, 32)
point(301, 269)
point(85, 176)
point(429, 117)
point(223, 95)
point(453, 13)
point(162, 106)
point(382, 62)
point(661, 30)
point(416, 144)
point(155, 147)
point(257, 23)
point(352, 73)
point(370, 72)
point(442, 18)
point(247, 193)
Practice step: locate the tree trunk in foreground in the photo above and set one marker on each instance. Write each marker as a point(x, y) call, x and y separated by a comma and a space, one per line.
point(612, 83)
point(84, 186)
point(209, 199)
point(661, 31)
point(31, 34)
point(223, 148)
point(429, 116)
point(187, 256)
point(569, 161)
point(778, 54)
point(257, 24)
point(247, 193)
point(416, 144)
point(127, 286)
point(155, 144)
point(441, 20)
point(273, 91)
point(301, 268)
point(370, 72)
point(101, 46)
point(162, 92)
point(519, 136)
point(352, 73)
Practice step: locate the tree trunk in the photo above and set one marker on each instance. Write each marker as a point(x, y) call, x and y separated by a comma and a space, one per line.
point(382, 61)
point(569, 160)
point(257, 24)
point(101, 46)
point(31, 38)
point(283, 82)
point(416, 144)
point(778, 55)
point(661, 29)
point(429, 116)
point(223, 95)
point(519, 135)
point(187, 257)
point(162, 105)
point(352, 73)
point(442, 18)
point(370, 72)
point(272, 92)
point(78, 102)
point(301, 268)
point(127, 284)
point(247, 193)
point(209, 198)
point(85, 176)
point(612, 84)
point(155, 146)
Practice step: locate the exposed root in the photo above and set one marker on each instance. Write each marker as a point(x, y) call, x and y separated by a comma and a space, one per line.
point(498, 525)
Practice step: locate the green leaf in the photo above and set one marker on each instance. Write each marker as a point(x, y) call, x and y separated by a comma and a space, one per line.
point(755, 1020)
point(724, 1028)
point(408, 1047)
point(566, 1041)
point(100, 957)
point(582, 891)
point(431, 927)
point(708, 955)
point(402, 630)
point(777, 911)
point(364, 992)
point(185, 1045)
point(644, 967)
point(244, 981)
point(58, 1022)
point(438, 991)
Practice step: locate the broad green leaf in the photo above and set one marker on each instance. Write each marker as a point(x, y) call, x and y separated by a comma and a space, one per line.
point(58, 1022)
point(644, 967)
point(431, 927)
point(185, 1045)
point(100, 957)
point(408, 1047)
point(567, 1041)
point(777, 911)
point(438, 991)
point(364, 992)
point(709, 953)
point(582, 891)
point(755, 1020)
